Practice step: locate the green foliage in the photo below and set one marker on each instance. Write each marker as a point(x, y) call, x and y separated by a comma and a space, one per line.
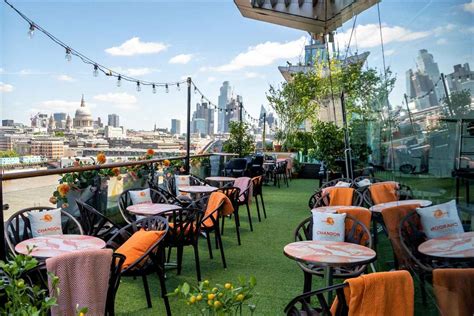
point(301, 141)
point(21, 298)
point(459, 105)
point(219, 299)
point(240, 141)
point(8, 154)
point(329, 141)
point(358, 139)
point(59, 134)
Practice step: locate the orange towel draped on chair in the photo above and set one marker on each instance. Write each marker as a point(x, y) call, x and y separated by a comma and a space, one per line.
point(341, 196)
point(362, 214)
point(384, 192)
point(382, 293)
point(392, 217)
point(217, 200)
point(454, 290)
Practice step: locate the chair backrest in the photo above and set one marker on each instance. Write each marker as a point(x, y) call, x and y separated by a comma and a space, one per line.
point(239, 163)
point(300, 305)
point(171, 199)
point(184, 226)
point(403, 192)
point(18, 226)
point(257, 183)
point(95, 223)
point(332, 183)
point(233, 193)
point(411, 236)
point(321, 199)
point(355, 231)
point(258, 160)
point(125, 201)
point(155, 223)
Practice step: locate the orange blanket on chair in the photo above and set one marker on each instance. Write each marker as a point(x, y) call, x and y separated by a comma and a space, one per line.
point(454, 290)
point(384, 192)
point(382, 293)
point(362, 214)
point(341, 196)
point(220, 201)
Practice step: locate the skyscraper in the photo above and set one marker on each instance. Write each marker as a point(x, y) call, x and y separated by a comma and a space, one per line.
point(203, 112)
point(114, 120)
point(462, 78)
point(427, 66)
point(224, 99)
point(175, 127)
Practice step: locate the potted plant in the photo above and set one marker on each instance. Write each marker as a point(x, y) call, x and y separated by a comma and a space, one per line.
point(90, 185)
point(240, 141)
point(218, 300)
point(137, 176)
point(279, 137)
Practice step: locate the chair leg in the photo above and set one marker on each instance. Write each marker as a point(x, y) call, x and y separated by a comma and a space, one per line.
point(263, 206)
point(258, 209)
point(221, 247)
point(198, 264)
point(164, 294)
point(222, 228)
point(147, 291)
point(308, 279)
point(250, 217)
point(423, 289)
point(237, 226)
point(180, 258)
point(208, 238)
point(169, 254)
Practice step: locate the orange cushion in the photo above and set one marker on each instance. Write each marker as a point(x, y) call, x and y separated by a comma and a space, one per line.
point(138, 244)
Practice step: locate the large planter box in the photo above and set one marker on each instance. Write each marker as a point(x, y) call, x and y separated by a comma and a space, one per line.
point(310, 171)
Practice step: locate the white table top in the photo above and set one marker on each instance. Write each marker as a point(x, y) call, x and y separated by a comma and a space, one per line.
point(197, 188)
point(333, 209)
point(457, 246)
point(221, 179)
point(147, 209)
point(55, 245)
point(329, 253)
point(379, 207)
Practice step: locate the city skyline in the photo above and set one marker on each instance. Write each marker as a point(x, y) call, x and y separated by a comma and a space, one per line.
point(247, 54)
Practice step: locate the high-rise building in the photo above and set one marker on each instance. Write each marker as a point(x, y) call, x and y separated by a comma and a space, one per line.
point(462, 78)
point(426, 65)
point(232, 112)
point(223, 101)
point(203, 111)
point(113, 120)
point(8, 123)
point(175, 127)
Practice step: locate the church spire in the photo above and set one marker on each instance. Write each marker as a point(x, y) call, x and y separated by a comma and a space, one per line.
point(83, 103)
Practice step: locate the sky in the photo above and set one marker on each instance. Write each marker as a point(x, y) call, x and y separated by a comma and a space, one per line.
point(167, 41)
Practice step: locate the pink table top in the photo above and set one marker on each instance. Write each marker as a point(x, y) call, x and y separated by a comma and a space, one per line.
point(329, 253)
point(457, 246)
point(197, 188)
point(221, 179)
point(379, 207)
point(151, 208)
point(333, 209)
point(55, 245)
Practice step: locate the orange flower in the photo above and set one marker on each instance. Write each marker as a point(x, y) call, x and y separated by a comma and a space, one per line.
point(63, 189)
point(150, 152)
point(166, 163)
point(101, 159)
point(116, 171)
point(53, 200)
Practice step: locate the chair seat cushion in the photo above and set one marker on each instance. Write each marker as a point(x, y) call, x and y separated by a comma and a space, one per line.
point(440, 220)
point(45, 222)
point(138, 244)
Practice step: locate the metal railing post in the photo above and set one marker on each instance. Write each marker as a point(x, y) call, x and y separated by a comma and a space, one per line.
point(3, 249)
point(188, 127)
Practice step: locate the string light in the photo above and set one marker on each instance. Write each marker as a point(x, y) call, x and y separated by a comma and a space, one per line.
point(68, 55)
point(139, 88)
point(119, 81)
point(96, 70)
point(153, 87)
point(178, 87)
point(195, 90)
point(167, 88)
point(31, 31)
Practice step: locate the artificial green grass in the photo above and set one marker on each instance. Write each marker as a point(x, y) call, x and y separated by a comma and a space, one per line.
point(279, 279)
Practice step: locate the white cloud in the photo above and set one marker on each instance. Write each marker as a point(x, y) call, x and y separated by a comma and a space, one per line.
point(140, 71)
point(121, 100)
point(389, 52)
point(368, 35)
point(440, 30)
point(468, 7)
point(211, 79)
point(264, 54)
point(58, 105)
point(65, 78)
point(134, 47)
point(4, 87)
point(181, 59)
point(442, 41)
point(252, 74)
point(470, 30)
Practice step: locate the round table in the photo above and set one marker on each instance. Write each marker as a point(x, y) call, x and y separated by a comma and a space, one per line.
point(333, 209)
point(197, 189)
point(55, 245)
point(148, 209)
point(220, 180)
point(378, 208)
point(329, 254)
point(457, 246)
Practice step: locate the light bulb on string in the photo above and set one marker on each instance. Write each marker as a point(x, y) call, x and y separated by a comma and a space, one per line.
point(96, 70)
point(153, 87)
point(119, 81)
point(139, 88)
point(31, 31)
point(167, 88)
point(195, 90)
point(68, 55)
point(178, 87)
